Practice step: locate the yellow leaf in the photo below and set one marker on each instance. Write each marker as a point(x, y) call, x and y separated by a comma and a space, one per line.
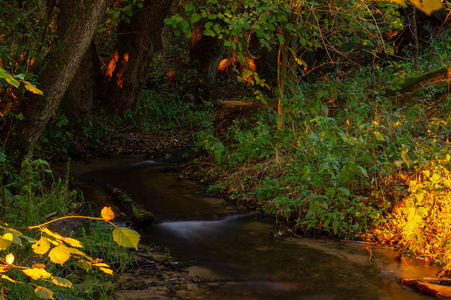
point(9, 258)
point(19, 234)
point(53, 234)
point(8, 278)
point(38, 266)
point(427, 6)
point(73, 242)
point(37, 273)
point(107, 271)
point(101, 265)
point(4, 243)
point(61, 282)
point(107, 213)
point(32, 89)
point(44, 293)
point(126, 237)
point(42, 246)
point(15, 237)
point(4, 268)
point(59, 254)
point(78, 252)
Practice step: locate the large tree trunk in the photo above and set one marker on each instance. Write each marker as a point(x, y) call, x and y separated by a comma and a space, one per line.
point(136, 45)
point(55, 79)
point(78, 101)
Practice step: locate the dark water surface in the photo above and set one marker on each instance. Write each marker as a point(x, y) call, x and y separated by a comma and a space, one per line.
point(236, 253)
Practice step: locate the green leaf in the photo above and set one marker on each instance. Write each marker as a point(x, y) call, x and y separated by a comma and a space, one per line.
point(363, 170)
point(379, 136)
point(44, 293)
point(126, 237)
point(189, 8)
point(345, 191)
point(194, 18)
point(5, 75)
point(406, 158)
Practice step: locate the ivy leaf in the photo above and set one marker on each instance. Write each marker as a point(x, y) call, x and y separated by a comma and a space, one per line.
point(126, 237)
point(107, 213)
point(44, 293)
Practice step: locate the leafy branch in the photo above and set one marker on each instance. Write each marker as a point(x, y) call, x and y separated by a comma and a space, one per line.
point(59, 249)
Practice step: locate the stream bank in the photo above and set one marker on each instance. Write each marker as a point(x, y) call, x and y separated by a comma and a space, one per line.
point(225, 254)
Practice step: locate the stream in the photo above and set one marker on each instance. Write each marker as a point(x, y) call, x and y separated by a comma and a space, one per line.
point(241, 256)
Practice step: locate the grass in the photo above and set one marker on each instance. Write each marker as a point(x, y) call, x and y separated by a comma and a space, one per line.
point(26, 198)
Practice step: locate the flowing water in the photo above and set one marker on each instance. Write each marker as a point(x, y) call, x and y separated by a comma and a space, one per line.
point(240, 255)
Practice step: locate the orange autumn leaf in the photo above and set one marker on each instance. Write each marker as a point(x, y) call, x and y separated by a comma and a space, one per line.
point(107, 213)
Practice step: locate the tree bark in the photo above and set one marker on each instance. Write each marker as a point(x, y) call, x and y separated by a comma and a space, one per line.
point(136, 45)
point(55, 79)
point(77, 103)
point(208, 53)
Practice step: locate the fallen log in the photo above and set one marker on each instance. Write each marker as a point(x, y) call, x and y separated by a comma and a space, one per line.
point(437, 287)
point(435, 77)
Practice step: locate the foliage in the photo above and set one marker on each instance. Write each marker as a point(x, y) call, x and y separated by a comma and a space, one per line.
point(59, 250)
point(341, 166)
point(428, 6)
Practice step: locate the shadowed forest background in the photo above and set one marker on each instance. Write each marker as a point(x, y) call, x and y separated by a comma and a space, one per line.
point(331, 116)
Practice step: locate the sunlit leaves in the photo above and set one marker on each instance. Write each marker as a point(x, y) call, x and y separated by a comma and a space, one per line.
point(41, 246)
point(16, 82)
point(9, 259)
point(5, 243)
point(37, 273)
point(126, 237)
point(427, 6)
point(59, 254)
point(59, 250)
point(107, 213)
point(104, 268)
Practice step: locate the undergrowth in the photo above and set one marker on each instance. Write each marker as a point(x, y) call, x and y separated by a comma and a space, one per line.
point(350, 162)
point(32, 196)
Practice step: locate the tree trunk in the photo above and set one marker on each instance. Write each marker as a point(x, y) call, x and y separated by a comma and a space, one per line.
point(78, 101)
point(136, 46)
point(55, 79)
point(207, 54)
